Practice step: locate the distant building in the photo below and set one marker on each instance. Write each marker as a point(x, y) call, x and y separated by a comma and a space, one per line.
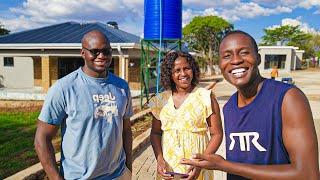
point(38, 57)
point(285, 58)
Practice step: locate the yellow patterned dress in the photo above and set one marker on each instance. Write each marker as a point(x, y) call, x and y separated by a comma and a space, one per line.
point(184, 129)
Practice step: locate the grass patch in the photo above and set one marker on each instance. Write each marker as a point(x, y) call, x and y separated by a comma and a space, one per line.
point(17, 131)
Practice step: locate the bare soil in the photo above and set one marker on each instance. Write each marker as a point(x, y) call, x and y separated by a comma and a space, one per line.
point(141, 125)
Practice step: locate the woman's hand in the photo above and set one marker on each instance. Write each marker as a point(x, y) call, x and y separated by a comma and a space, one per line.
point(162, 169)
point(193, 172)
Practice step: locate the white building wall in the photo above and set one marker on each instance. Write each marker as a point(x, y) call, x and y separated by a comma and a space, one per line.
point(299, 56)
point(293, 61)
point(20, 75)
point(277, 50)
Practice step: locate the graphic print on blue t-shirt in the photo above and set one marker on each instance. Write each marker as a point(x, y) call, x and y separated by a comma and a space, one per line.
point(245, 141)
point(105, 106)
point(91, 113)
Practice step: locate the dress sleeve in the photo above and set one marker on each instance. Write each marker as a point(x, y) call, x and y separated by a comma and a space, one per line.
point(53, 109)
point(157, 103)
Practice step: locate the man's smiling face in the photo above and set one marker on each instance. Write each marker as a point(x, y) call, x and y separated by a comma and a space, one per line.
point(238, 59)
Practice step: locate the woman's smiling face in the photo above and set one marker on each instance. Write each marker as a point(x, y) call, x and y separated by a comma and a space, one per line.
point(182, 73)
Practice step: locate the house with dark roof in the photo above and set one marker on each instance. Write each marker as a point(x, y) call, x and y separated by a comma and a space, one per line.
point(38, 57)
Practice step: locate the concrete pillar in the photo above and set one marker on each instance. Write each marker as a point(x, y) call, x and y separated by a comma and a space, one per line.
point(289, 57)
point(54, 74)
point(37, 76)
point(45, 73)
point(122, 67)
point(126, 63)
point(262, 63)
point(116, 65)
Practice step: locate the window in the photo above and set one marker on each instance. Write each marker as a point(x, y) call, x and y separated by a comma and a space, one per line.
point(278, 61)
point(8, 61)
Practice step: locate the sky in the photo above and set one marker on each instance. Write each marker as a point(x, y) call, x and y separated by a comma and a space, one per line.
point(250, 16)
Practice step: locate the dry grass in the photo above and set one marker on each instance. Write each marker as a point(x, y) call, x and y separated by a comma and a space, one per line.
point(141, 125)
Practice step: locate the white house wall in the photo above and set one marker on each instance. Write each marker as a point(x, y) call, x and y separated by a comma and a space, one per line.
point(293, 61)
point(18, 76)
point(299, 55)
point(276, 51)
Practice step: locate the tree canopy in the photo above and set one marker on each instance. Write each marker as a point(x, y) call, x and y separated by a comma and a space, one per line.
point(3, 31)
point(315, 44)
point(286, 35)
point(203, 35)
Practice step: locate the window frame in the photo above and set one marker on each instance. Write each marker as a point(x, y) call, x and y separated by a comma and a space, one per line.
point(8, 61)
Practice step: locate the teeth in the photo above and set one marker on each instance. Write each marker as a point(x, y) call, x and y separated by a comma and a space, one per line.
point(238, 74)
point(236, 71)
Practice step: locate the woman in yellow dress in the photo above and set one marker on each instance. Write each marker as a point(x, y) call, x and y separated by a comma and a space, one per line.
point(185, 116)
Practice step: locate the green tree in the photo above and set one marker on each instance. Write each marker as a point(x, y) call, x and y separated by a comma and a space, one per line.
point(3, 31)
point(203, 35)
point(314, 43)
point(287, 35)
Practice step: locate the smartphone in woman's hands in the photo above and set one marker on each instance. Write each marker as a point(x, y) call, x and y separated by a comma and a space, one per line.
point(175, 174)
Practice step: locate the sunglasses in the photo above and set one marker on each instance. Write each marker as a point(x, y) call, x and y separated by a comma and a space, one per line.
point(96, 52)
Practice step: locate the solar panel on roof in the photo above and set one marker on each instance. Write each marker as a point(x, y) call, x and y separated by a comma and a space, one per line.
point(69, 32)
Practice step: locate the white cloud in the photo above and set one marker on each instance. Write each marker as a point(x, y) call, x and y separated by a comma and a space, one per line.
point(35, 13)
point(296, 22)
point(196, 4)
point(291, 22)
point(135, 6)
point(19, 23)
point(129, 13)
point(251, 10)
point(188, 15)
point(306, 4)
point(45, 8)
point(309, 3)
point(243, 10)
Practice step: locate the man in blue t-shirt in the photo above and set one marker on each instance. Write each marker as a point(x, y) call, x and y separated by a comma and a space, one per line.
point(269, 127)
point(93, 108)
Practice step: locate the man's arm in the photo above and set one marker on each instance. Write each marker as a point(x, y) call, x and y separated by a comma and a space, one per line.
point(300, 141)
point(127, 142)
point(299, 138)
point(44, 148)
point(299, 135)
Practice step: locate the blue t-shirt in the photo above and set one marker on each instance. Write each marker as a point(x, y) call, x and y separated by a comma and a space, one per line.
point(254, 132)
point(90, 112)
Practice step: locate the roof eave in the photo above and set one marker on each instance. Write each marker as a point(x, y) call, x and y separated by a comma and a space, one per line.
point(59, 45)
point(277, 47)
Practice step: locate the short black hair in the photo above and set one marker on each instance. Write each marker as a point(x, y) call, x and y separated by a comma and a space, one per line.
point(167, 66)
point(253, 41)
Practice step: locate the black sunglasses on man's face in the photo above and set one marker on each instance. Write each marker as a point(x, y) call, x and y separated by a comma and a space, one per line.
point(96, 52)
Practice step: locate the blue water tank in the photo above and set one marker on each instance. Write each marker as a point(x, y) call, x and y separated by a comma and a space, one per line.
point(171, 19)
